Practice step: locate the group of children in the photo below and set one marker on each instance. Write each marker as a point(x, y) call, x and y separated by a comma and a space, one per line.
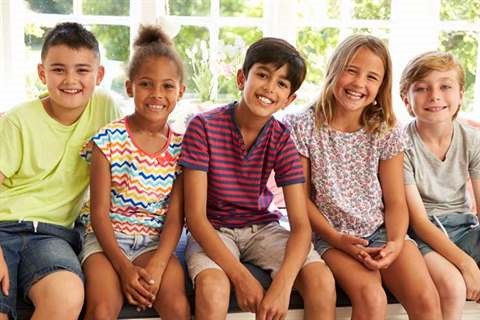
point(348, 170)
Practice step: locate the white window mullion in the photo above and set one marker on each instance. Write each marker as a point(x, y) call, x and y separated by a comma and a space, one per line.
point(12, 53)
point(415, 29)
point(214, 29)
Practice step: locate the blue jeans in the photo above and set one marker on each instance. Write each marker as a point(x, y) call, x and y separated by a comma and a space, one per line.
point(462, 229)
point(32, 251)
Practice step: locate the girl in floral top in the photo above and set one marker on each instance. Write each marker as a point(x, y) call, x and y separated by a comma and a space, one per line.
point(352, 153)
point(136, 213)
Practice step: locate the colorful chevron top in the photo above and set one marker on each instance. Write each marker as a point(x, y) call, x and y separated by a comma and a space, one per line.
point(141, 182)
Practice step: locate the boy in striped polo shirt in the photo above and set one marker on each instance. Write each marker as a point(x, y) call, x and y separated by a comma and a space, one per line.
point(228, 154)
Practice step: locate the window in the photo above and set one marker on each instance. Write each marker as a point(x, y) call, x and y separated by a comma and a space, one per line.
point(212, 35)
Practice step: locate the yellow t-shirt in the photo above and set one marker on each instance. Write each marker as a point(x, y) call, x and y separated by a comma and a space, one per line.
point(45, 178)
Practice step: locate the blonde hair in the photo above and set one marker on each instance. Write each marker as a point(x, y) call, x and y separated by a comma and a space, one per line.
point(422, 65)
point(375, 118)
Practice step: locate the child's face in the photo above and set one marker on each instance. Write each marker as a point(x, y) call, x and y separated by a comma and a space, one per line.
point(70, 76)
point(358, 84)
point(156, 88)
point(266, 89)
point(436, 97)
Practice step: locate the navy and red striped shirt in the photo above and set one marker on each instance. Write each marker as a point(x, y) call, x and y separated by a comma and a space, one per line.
point(237, 193)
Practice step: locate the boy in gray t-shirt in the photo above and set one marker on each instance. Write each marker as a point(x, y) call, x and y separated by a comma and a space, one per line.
point(443, 155)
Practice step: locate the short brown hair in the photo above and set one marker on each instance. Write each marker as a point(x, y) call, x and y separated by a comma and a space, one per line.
point(423, 64)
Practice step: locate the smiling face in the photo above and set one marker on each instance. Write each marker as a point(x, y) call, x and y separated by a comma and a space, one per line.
point(70, 76)
point(435, 98)
point(156, 88)
point(359, 82)
point(266, 89)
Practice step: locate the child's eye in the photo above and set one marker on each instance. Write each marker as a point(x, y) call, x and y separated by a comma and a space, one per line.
point(83, 70)
point(283, 84)
point(351, 70)
point(262, 75)
point(445, 87)
point(145, 84)
point(420, 89)
point(169, 85)
point(57, 70)
point(373, 78)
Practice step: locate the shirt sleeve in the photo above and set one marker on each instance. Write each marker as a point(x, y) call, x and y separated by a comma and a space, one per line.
point(300, 126)
point(474, 165)
point(393, 143)
point(11, 153)
point(288, 168)
point(195, 146)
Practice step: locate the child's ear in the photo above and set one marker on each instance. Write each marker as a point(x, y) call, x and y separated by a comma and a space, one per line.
point(100, 74)
point(291, 98)
point(128, 88)
point(241, 79)
point(181, 91)
point(407, 104)
point(41, 73)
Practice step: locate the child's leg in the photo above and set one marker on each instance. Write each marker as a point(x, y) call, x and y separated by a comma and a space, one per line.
point(408, 279)
point(171, 301)
point(51, 276)
point(104, 291)
point(363, 286)
point(317, 286)
point(449, 283)
point(58, 295)
point(212, 285)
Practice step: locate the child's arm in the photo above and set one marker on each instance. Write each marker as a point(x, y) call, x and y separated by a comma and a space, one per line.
point(4, 278)
point(248, 290)
point(396, 210)
point(352, 245)
point(169, 237)
point(100, 183)
point(277, 297)
point(476, 194)
point(435, 238)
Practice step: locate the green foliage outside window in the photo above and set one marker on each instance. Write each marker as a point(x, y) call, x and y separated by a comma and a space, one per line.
point(372, 9)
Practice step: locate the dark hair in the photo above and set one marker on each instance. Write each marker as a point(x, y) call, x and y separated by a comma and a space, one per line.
point(279, 53)
point(71, 34)
point(153, 42)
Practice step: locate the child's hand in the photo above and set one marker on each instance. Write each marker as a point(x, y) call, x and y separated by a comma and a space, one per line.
point(385, 256)
point(155, 272)
point(471, 276)
point(274, 304)
point(4, 278)
point(249, 293)
point(354, 246)
point(133, 279)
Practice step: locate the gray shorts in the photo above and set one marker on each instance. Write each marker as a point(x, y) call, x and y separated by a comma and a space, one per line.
point(262, 245)
point(463, 229)
point(132, 246)
point(375, 240)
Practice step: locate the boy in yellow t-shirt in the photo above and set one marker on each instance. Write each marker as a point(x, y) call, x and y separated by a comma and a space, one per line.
point(43, 178)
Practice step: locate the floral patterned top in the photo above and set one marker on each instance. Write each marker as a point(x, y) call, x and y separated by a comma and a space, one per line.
point(344, 171)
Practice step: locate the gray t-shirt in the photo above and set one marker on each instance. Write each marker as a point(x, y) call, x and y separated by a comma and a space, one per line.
point(443, 184)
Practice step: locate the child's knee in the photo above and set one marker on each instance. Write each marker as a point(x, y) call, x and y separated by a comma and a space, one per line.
point(102, 311)
point(371, 297)
point(177, 308)
point(315, 278)
point(212, 285)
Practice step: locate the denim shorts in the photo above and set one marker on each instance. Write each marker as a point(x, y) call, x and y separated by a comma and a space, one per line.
point(32, 251)
point(132, 246)
point(375, 240)
point(462, 229)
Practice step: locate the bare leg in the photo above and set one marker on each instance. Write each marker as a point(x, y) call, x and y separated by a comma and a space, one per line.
point(59, 295)
point(104, 291)
point(212, 295)
point(317, 286)
point(450, 285)
point(408, 279)
point(363, 286)
point(171, 301)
